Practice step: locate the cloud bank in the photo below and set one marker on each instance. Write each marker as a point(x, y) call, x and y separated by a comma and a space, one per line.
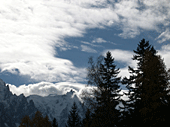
point(32, 30)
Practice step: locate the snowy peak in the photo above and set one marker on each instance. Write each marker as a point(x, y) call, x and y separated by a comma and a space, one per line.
point(57, 106)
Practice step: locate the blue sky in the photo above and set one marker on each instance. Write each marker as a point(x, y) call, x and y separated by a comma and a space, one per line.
point(45, 44)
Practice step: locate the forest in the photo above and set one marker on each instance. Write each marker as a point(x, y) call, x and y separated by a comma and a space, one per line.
point(148, 101)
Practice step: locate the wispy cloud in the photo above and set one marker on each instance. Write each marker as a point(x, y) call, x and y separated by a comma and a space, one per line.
point(88, 49)
point(164, 36)
point(99, 40)
point(142, 15)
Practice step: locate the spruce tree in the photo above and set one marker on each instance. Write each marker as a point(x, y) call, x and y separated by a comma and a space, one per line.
point(25, 122)
point(73, 118)
point(37, 121)
point(106, 97)
point(46, 122)
point(132, 106)
point(55, 123)
point(150, 82)
point(154, 97)
point(86, 122)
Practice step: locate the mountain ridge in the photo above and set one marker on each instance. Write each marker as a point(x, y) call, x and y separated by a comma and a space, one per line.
point(13, 108)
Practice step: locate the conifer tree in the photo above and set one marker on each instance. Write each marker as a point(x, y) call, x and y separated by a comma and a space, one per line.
point(154, 97)
point(26, 122)
point(106, 97)
point(37, 121)
point(132, 106)
point(150, 82)
point(73, 118)
point(55, 123)
point(87, 120)
point(46, 122)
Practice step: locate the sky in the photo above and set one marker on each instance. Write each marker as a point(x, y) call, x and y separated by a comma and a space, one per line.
point(45, 44)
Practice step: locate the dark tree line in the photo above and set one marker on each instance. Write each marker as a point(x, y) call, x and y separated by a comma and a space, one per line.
point(148, 87)
point(38, 121)
point(148, 101)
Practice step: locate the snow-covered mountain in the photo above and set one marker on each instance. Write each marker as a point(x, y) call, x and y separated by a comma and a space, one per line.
point(58, 106)
point(13, 108)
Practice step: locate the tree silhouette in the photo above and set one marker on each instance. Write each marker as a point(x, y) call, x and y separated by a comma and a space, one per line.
point(55, 123)
point(25, 122)
point(132, 106)
point(73, 118)
point(148, 97)
point(154, 97)
point(37, 121)
point(106, 96)
point(87, 121)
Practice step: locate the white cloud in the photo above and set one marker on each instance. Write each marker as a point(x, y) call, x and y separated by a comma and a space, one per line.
point(142, 15)
point(30, 31)
point(46, 88)
point(164, 36)
point(164, 53)
point(88, 43)
point(99, 40)
point(86, 48)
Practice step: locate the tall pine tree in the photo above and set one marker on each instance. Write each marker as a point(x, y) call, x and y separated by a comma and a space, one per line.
point(154, 97)
point(73, 118)
point(142, 85)
point(132, 106)
point(55, 123)
point(103, 75)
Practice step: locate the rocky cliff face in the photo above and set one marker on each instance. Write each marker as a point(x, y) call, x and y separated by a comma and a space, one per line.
point(13, 108)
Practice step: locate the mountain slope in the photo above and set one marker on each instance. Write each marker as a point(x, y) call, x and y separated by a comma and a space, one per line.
point(57, 106)
point(13, 108)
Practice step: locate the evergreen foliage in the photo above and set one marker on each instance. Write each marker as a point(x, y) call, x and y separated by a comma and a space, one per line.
point(154, 97)
point(146, 84)
point(73, 118)
point(87, 121)
point(37, 121)
point(55, 123)
point(106, 96)
point(25, 122)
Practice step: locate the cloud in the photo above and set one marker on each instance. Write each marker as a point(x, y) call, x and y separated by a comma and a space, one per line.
point(91, 44)
point(164, 53)
point(86, 48)
point(136, 16)
point(164, 36)
point(31, 31)
point(46, 88)
point(99, 40)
